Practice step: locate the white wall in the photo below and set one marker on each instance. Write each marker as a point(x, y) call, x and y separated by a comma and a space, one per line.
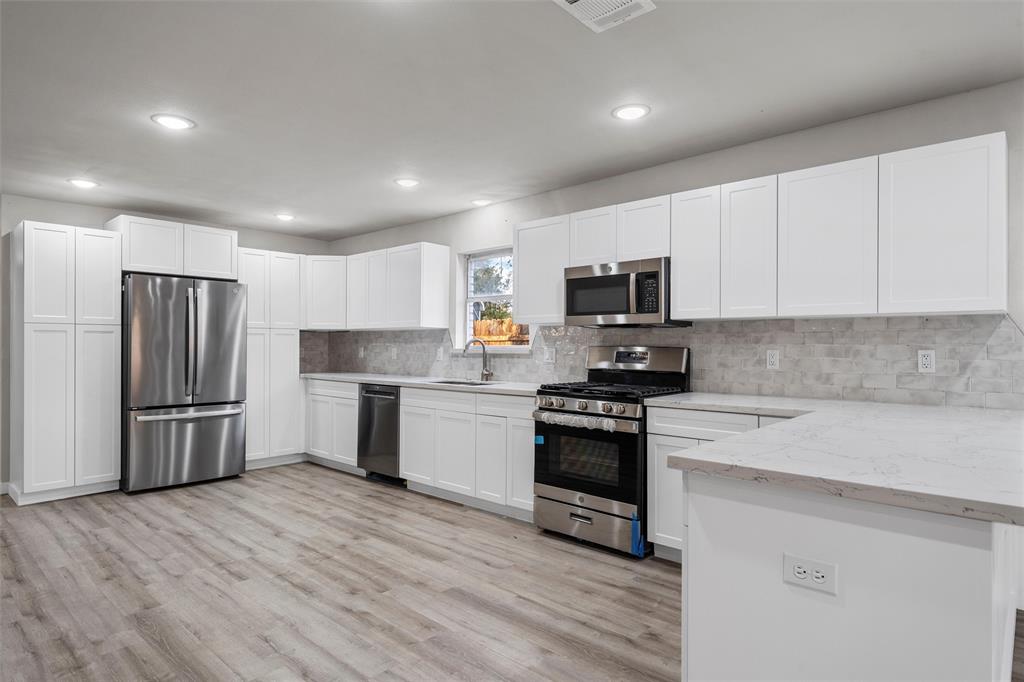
point(14, 209)
point(1000, 107)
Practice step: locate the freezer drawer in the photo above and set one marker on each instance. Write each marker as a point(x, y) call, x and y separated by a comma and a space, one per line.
point(183, 445)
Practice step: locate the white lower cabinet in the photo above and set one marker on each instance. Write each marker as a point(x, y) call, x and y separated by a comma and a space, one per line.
point(520, 463)
point(416, 444)
point(491, 454)
point(666, 491)
point(332, 427)
point(318, 425)
point(48, 417)
point(285, 393)
point(455, 452)
point(257, 394)
point(97, 451)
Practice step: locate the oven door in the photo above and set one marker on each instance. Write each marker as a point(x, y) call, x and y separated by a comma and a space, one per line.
point(590, 468)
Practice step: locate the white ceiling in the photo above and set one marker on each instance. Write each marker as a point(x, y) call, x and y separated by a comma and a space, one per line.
point(315, 108)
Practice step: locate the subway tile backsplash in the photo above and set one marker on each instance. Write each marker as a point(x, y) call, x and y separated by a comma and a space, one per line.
point(979, 358)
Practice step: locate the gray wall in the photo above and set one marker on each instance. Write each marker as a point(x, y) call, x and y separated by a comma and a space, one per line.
point(14, 209)
point(1000, 107)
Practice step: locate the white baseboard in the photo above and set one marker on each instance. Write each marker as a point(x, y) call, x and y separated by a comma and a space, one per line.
point(3, 487)
point(500, 509)
point(22, 499)
point(339, 466)
point(279, 460)
point(668, 553)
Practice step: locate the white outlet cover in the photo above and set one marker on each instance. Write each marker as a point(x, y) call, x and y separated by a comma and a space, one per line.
point(926, 361)
point(810, 573)
point(362, 351)
point(549, 355)
point(773, 359)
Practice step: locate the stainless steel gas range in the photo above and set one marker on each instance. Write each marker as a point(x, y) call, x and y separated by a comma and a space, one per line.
point(590, 468)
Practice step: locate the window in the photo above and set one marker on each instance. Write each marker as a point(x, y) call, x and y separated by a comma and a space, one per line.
point(489, 300)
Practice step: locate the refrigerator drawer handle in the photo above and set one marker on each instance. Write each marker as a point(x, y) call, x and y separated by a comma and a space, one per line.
point(181, 417)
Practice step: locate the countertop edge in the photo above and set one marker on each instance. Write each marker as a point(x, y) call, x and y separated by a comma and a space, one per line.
point(425, 382)
point(981, 511)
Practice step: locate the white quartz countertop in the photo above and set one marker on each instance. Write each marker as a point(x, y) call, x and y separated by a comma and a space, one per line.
point(493, 387)
point(962, 461)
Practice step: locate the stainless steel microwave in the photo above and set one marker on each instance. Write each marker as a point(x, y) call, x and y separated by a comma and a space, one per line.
point(630, 293)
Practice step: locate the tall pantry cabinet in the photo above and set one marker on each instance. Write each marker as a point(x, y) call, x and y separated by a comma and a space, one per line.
point(65, 361)
point(274, 392)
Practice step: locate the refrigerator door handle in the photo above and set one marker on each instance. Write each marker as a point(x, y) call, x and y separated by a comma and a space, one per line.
point(200, 348)
point(188, 415)
point(188, 342)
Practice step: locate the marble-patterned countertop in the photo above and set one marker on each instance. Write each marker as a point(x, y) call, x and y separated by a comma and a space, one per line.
point(961, 461)
point(494, 387)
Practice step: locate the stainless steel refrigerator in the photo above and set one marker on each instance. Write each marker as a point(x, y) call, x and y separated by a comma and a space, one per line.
point(183, 395)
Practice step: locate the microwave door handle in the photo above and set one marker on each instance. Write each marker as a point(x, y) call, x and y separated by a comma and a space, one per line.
point(632, 293)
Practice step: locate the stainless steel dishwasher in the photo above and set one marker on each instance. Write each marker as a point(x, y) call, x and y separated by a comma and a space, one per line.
point(378, 429)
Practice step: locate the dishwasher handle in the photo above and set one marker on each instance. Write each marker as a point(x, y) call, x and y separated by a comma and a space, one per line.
point(385, 396)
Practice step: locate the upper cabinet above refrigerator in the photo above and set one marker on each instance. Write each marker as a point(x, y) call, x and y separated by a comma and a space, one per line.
point(171, 248)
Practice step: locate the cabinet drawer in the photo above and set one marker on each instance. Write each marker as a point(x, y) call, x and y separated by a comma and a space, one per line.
point(698, 423)
point(334, 389)
point(766, 421)
point(439, 399)
point(515, 406)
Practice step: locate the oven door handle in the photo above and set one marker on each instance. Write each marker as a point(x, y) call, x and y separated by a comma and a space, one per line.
point(586, 422)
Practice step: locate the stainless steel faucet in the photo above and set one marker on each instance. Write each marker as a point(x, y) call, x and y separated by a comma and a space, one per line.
point(485, 371)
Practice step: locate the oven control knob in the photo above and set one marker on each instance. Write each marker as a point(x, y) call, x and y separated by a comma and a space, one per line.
point(545, 402)
point(606, 408)
point(620, 409)
point(559, 402)
point(581, 405)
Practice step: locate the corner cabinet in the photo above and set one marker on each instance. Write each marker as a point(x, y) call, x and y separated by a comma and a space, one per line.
point(749, 266)
point(404, 287)
point(828, 240)
point(541, 249)
point(324, 280)
point(942, 227)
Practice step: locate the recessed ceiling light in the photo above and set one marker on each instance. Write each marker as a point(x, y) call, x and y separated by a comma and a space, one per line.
point(83, 183)
point(406, 182)
point(285, 217)
point(631, 112)
point(173, 122)
point(481, 202)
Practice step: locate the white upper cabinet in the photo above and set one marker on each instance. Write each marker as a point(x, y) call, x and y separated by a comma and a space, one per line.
point(942, 227)
point(254, 273)
point(593, 236)
point(97, 403)
point(285, 290)
point(696, 247)
point(749, 266)
point(377, 289)
point(149, 245)
point(355, 293)
point(643, 229)
point(325, 279)
point(97, 277)
point(211, 252)
point(48, 258)
point(404, 287)
point(541, 249)
point(828, 239)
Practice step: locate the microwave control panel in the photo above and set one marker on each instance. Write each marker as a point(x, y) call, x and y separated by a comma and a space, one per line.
point(647, 292)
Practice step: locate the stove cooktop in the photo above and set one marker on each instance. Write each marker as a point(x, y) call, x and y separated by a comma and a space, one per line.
point(609, 391)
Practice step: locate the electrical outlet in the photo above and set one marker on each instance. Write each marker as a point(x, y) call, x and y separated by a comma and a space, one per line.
point(926, 361)
point(362, 352)
point(394, 352)
point(440, 354)
point(814, 575)
point(549, 355)
point(773, 360)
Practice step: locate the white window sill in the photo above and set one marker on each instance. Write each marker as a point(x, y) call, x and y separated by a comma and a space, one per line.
point(499, 350)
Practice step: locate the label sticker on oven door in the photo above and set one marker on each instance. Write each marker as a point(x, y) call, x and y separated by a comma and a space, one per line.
point(538, 440)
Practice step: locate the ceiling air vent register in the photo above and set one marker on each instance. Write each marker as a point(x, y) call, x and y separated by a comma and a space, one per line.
point(600, 15)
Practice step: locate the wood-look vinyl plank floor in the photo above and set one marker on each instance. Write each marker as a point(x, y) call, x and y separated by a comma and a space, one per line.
point(303, 572)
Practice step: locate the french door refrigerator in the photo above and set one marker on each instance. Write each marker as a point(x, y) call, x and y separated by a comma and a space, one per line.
point(183, 393)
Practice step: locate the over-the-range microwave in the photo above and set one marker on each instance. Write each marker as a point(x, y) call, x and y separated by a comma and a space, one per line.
point(630, 293)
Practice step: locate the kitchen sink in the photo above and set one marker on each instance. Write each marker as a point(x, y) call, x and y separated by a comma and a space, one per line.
point(465, 382)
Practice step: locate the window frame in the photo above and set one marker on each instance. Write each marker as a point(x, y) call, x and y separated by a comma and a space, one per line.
point(464, 299)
